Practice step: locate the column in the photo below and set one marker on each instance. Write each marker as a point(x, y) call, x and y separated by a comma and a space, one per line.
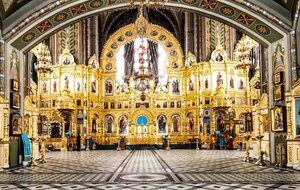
point(35, 144)
point(4, 138)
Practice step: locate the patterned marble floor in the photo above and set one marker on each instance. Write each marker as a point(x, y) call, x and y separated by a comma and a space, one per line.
point(148, 169)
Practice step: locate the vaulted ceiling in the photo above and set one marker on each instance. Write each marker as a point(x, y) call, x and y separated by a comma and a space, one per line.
point(284, 9)
point(265, 20)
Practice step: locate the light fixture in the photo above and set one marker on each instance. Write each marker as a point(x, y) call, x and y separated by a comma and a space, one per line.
point(242, 52)
point(143, 80)
point(43, 58)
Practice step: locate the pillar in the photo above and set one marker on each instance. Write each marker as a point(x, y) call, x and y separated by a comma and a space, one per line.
point(4, 138)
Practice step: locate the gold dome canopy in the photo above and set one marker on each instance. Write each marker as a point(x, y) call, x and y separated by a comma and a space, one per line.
point(221, 99)
point(65, 102)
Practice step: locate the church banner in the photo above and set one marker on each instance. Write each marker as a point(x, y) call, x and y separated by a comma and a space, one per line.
point(26, 145)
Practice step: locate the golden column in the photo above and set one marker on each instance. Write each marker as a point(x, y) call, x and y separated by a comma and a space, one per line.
point(4, 138)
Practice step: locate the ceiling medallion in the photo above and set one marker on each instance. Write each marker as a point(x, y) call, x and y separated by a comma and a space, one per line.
point(108, 66)
point(262, 29)
point(29, 37)
point(60, 17)
point(96, 4)
point(228, 11)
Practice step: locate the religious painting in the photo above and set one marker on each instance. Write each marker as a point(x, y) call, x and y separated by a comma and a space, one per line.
point(278, 78)
point(123, 125)
point(278, 92)
point(175, 65)
point(15, 100)
point(175, 123)
point(219, 57)
point(54, 86)
point(297, 117)
point(278, 118)
point(66, 60)
point(191, 83)
point(78, 86)
point(14, 68)
point(105, 105)
point(78, 102)
point(126, 105)
point(207, 100)
point(94, 126)
point(93, 86)
point(119, 106)
point(53, 103)
point(206, 83)
point(44, 87)
point(66, 82)
point(175, 86)
point(172, 104)
point(179, 104)
point(248, 122)
point(240, 127)
point(16, 126)
point(162, 124)
point(191, 123)
point(165, 104)
point(219, 79)
point(241, 84)
point(137, 105)
point(157, 104)
point(14, 85)
point(231, 82)
point(109, 123)
point(109, 87)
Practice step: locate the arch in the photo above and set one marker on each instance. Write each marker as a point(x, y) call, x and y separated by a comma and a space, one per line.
point(144, 112)
point(129, 33)
point(26, 33)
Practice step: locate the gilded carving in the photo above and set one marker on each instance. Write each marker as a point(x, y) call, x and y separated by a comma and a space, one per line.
point(290, 154)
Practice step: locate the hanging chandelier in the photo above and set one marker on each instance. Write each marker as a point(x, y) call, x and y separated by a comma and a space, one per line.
point(43, 55)
point(143, 79)
point(242, 52)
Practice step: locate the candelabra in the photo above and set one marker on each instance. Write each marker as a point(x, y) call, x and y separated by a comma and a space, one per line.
point(260, 160)
point(43, 148)
point(32, 161)
point(247, 157)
